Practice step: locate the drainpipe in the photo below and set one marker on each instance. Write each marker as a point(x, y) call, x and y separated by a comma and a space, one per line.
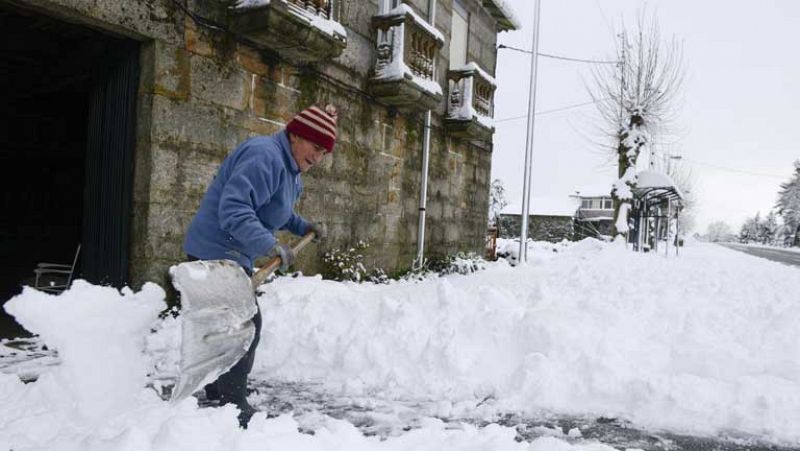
point(423, 190)
point(426, 151)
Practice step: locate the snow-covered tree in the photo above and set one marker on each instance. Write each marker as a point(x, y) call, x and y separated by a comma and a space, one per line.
point(719, 231)
point(788, 206)
point(497, 200)
point(635, 98)
point(749, 233)
point(769, 228)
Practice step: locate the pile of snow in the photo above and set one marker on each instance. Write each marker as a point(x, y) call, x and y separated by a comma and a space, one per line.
point(538, 251)
point(96, 399)
point(703, 343)
point(91, 327)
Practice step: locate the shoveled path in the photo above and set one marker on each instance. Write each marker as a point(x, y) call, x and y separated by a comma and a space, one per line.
point(386, 418)
point(374, 416)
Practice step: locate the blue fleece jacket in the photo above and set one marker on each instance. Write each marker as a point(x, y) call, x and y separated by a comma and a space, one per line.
point(252, 196)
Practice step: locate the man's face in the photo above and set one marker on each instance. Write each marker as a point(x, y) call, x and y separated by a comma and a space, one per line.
point(305, 152)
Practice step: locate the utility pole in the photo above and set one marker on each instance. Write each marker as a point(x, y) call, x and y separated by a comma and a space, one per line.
point(526, 190)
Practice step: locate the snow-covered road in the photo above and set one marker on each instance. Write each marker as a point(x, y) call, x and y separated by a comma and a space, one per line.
point(588, 337)
point(787, 256)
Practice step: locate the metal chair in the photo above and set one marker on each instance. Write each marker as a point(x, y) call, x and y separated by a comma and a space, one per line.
point(55, 277)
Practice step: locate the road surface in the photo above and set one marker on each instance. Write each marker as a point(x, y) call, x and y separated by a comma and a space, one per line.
point(775, 254)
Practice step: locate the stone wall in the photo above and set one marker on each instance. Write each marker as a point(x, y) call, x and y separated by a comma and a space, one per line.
point(202, 92)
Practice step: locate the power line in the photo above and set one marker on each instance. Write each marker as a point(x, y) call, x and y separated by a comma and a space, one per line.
point(554, 110)
point(738, 171)
point(605, 19)
point(557, 57)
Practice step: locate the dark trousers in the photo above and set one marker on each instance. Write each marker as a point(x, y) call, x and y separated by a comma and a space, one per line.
point(231, 387)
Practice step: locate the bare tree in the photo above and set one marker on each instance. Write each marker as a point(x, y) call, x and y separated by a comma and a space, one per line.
point(684, 179)
point(636, 99)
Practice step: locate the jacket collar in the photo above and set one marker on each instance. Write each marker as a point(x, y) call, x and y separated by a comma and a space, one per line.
point(286, 150)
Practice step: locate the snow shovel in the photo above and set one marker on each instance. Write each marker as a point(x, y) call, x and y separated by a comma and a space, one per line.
point(218, 302)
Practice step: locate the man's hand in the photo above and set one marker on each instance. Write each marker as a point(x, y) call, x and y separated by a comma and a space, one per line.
point(319, 230)
point(285, 252)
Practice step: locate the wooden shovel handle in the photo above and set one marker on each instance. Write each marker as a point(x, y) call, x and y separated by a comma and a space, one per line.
point(261, 275)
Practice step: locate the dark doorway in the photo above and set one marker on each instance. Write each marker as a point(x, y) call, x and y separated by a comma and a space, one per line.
point(68, 113)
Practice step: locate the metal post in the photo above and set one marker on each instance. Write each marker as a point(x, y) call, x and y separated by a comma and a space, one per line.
point(656, 229)
point(423, 190)
point(677, 229)
point(669, 225)
point(526, 195)
point(645, 225)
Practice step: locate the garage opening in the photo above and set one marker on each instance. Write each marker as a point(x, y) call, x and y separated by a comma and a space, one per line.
point(66, 155)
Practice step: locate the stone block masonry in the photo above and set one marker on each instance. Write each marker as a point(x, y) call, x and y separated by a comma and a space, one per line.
point(202, 92)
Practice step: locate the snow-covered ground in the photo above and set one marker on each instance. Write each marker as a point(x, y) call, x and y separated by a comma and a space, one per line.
point(705, 344)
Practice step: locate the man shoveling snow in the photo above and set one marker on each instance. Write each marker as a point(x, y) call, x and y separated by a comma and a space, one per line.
point(252, 196)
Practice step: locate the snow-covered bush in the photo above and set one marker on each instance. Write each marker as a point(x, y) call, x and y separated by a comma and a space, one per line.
point(345, 264)
point(348, 265)
point(460, 263)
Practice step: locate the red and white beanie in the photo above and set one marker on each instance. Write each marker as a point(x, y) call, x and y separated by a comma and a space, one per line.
point(316, 125)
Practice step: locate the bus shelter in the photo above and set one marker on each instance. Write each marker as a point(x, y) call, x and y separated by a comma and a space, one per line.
point(657, 205)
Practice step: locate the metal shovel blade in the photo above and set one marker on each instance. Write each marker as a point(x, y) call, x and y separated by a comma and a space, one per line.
point(217, 307)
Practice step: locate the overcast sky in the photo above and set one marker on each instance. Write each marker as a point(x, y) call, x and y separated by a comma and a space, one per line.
point(738, 122)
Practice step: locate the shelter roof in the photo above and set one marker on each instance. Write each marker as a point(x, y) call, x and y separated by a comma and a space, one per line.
point(656, 184)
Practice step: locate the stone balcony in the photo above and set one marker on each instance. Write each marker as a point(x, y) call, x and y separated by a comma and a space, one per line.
point(405, 68)
point(298, 30)
point(470, 103)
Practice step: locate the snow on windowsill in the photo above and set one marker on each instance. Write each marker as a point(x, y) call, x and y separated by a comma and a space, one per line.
point(467, 113)
point(473, 66)
point(398, 71)
point(506, 10)
point(246, 4)
point(329, 27)
point(403, 9)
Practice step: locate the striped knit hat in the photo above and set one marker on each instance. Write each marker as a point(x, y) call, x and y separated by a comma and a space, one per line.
point(316, 125)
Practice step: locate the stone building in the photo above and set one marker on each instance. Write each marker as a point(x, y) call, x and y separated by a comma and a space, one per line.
point(595, 217)
point(121, 111)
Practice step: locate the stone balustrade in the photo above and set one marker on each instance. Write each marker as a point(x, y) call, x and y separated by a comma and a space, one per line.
point(321, 8)
point(405, 67)
point(470, 105)
point(298, 30)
